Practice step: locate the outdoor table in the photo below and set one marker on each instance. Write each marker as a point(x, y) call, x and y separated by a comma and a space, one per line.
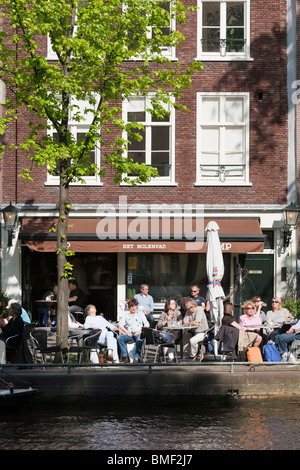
point(181, 329)
point(270, 325)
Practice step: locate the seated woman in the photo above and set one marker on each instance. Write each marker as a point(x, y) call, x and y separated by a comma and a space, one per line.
point(278, 315)
point(131, 326)
point(227, 319)
point(168, 317)
point(249, 320)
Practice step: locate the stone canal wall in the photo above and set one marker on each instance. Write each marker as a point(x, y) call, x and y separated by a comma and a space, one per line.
point(233, 380)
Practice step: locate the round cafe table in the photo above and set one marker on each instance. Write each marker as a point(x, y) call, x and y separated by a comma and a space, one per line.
point(180, 329)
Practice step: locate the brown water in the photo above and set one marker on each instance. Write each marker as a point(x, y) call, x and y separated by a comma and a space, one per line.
point(133, 426)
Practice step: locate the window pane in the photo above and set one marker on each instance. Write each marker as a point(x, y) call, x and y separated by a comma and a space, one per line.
point(138, 157)
point(235, 31)
point(135, 144)
point(211, 14)
point(211, 27)
point(165, 31)
point(234, 140)
point(234, 110)
point(160, 138)
point(210, 140)
point(235, 14)
point(160, 160)
point(136, 116)
point(210, 110)
point(80, 138)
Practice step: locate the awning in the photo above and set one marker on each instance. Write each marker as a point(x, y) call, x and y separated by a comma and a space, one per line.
point(143, 234)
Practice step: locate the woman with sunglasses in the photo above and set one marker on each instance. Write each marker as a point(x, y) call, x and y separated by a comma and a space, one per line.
point(249, 321)
point(278, 315)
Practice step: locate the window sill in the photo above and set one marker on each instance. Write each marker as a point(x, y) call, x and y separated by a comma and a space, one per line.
point(152, 183)
point(218, 58)
point(220, 184)
point(87, 183)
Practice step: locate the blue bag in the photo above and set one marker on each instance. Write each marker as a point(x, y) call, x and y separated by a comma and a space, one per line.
point(271, 354)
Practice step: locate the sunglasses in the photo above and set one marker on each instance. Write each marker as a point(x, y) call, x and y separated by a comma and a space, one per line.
point(249, 308)
point(275, 302)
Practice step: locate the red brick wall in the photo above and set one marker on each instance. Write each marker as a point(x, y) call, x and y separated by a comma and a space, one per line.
point(268, 135)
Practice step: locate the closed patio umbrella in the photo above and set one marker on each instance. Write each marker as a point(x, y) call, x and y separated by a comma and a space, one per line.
point(215, 272)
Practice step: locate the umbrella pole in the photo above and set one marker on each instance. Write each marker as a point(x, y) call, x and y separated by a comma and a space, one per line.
point(215, 341)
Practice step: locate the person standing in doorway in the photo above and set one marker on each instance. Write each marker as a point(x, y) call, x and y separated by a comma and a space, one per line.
point(146, 304)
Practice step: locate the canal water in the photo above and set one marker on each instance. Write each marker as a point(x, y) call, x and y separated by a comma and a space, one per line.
point(140, 426)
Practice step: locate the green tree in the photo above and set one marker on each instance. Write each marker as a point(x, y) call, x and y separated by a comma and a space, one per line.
point(106, 51)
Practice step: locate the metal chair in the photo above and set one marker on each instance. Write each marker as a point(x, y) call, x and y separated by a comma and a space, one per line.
point(12, 344)
point(208, 340)
point(91, 344)
point(155, 344)
point(75, 346)
point(45, 342)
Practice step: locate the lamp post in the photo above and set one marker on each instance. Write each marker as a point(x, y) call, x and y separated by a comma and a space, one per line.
point(290, 216)
point(10, 215)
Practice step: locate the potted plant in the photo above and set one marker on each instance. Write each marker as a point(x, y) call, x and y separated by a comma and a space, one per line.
point(3, 304)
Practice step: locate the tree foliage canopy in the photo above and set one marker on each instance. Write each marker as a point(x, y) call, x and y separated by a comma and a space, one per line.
point(106, 51)
point(103, 52)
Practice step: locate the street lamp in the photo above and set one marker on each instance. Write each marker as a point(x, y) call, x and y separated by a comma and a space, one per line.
point(290, 216)
point(10, 215)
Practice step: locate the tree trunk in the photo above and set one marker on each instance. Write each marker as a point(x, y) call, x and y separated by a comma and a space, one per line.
point(63, 290)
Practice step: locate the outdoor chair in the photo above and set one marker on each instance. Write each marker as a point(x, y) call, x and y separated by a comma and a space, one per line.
point(46, 343)
point(228, 337)
point(90, 344)
point(12, 344)
point(153, 343)
point(77, 344)
point(208, 341)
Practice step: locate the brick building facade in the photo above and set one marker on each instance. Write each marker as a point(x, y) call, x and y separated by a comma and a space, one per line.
point(239, 167)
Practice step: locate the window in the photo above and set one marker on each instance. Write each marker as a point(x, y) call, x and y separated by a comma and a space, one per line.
point(151, 33)
point(222, 138)
point(167, 51)
point(79, 131)
point(156, 148)
point(170, 275)
point(223, 30)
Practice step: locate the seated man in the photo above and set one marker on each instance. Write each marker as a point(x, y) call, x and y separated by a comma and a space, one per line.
point(196, 318)
point(24, 315)
point(77, 299)
point(13, 327)
point(98, 322)
point(282, 340)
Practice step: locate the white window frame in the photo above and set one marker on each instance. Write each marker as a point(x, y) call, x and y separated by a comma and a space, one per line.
point(222, 55)
point(159, 180)
point(223, 174)
point(51, 55)
point(75, 128)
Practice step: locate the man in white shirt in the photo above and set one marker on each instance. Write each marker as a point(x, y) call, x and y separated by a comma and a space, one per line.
point(98, 322)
